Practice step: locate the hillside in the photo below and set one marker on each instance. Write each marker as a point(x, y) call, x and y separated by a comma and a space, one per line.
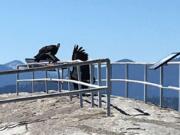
point(59, 116)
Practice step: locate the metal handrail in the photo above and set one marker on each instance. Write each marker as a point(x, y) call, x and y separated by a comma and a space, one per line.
point(59, 80)
point(63, 65)
point(145, 63)
point(60, 65)
point(145, 82)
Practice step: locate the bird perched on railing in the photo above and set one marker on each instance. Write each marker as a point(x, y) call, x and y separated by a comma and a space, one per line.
point(48, 53)
point(80, 54)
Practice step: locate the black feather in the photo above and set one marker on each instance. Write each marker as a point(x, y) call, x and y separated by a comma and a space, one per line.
point(80, 54)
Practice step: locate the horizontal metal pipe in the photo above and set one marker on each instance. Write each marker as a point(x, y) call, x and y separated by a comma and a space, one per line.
point(131, 63)
point(59, 65)
point(144, 63)
point(143, 82)
point(51, 95)
point(60, 80)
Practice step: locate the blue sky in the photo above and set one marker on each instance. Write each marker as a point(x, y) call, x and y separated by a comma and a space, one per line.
point(142, 30)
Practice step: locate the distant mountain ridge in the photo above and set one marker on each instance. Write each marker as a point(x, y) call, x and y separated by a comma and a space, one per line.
point(13, 64)
point(125, 60)
point(10, 65)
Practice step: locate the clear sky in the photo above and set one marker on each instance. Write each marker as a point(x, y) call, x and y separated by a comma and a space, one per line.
point(142, 30)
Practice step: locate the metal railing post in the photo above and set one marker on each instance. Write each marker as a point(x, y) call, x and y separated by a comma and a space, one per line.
point(99, 83)
point(108, 75)
point(126, 77)
point(69, 85)
point(69, 78)
point(46, 76)
point(79, 86)
point(62, 77)
point(32, 82)
point(179, 90)
point(58, 72)
point(145, 80)
point(17, 83)
point(91, 82)
point(161, 89)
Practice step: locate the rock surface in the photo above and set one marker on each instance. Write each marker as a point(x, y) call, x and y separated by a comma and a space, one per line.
point(60, 116)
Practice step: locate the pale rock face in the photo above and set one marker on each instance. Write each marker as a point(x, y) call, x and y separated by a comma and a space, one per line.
point(60, 116)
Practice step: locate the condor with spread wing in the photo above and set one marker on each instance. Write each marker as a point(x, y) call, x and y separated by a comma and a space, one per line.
point(48, 53)
point(80, 54)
